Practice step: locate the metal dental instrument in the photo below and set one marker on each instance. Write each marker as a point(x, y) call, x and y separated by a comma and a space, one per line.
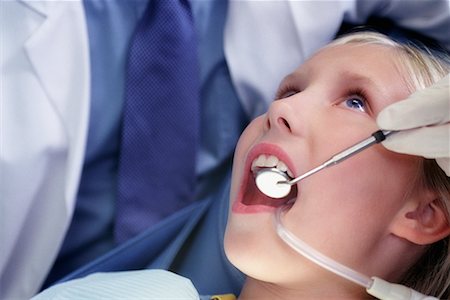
point(276, 184)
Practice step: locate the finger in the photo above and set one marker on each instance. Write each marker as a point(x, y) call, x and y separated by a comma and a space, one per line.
point(429, 142)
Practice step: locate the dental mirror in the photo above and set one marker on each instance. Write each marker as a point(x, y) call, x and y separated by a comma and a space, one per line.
point(273, 183)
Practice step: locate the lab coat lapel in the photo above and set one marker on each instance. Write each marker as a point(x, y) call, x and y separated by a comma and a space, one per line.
point(58, 51)
point(46, 66)
point(309, 35)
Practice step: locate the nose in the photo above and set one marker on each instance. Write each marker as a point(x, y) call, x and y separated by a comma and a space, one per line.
point(280, 117)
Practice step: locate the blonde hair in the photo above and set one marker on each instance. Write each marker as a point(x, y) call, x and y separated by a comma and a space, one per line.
point(431, 274)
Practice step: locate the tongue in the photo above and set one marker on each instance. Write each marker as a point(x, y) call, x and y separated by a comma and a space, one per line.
point(252, 196)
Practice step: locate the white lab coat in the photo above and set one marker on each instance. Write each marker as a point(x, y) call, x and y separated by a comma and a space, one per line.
point(44, 114)
point(45, 103)
point(267, 39)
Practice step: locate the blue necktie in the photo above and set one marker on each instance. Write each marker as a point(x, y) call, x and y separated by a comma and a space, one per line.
point(161, 119)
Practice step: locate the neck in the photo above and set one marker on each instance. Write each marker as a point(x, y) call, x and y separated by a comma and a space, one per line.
point(256, 289)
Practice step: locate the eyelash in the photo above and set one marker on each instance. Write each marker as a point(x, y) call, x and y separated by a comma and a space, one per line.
point(361, 95)
point(286, 91)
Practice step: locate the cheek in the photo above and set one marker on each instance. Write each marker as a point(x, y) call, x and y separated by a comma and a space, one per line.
point(375, 182)
point(335, 130)
point(382, 175)
point(346, 211)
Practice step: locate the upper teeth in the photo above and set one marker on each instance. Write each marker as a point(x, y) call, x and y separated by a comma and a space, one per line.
point(270, 161)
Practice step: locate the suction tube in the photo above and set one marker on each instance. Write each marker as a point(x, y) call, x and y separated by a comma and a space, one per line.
point(374, 286)
point(317, 257)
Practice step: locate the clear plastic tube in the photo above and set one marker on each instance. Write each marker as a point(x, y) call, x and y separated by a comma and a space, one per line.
point(374, 286)
point(304, 249)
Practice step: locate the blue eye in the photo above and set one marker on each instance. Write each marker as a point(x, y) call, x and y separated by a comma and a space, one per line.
point(356, 103)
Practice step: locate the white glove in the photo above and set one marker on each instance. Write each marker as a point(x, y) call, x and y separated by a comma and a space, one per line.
point(424, 121)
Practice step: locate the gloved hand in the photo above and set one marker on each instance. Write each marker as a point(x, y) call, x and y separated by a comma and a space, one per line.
point(425, 119)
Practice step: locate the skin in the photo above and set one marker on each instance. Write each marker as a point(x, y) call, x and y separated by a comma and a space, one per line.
point(349, 212)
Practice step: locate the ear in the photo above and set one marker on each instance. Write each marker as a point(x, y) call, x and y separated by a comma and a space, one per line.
point(422, 220)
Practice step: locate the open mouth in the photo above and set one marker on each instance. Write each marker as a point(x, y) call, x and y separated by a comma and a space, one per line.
point(250, 198)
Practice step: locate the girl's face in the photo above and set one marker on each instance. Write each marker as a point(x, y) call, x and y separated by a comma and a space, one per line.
point(345, 211)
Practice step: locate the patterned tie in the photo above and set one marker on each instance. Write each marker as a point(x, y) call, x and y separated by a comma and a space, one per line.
point(161, 119)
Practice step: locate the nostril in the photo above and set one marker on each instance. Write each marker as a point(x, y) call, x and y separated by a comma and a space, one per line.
point(267, 124)
point(284, 123)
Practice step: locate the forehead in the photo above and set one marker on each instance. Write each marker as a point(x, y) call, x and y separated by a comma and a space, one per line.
point(354, 56)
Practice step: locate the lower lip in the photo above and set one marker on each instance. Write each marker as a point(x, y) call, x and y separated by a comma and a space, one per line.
point(240, 208)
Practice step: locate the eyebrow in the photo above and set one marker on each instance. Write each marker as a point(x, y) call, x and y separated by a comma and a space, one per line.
point(360, 78)
point(292, 77)
point(298, 77)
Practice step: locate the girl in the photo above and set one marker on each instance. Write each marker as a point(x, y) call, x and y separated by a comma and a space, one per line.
point(381, 213)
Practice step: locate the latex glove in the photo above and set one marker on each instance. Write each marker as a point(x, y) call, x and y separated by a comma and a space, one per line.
point(425, 117)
